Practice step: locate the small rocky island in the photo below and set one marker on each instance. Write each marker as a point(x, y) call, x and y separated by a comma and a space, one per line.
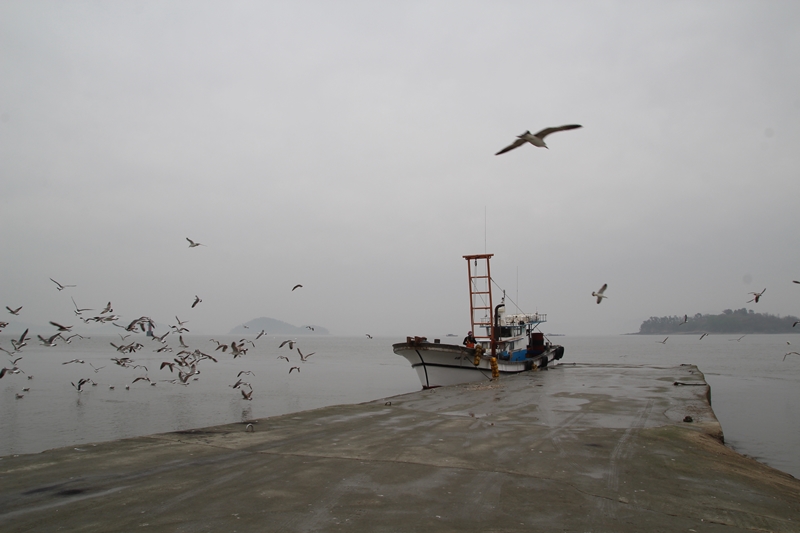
point(742, 321)
point(272, 326)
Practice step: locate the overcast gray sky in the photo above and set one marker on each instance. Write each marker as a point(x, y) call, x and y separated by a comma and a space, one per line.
point(349, 146)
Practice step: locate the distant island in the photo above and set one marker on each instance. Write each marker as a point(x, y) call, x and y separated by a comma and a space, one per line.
point(738, 321)
point(272, 326)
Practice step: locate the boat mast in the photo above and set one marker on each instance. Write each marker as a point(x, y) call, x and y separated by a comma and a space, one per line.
point(480, 289)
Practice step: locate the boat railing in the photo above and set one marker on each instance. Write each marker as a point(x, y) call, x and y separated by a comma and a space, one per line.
point(534, 318)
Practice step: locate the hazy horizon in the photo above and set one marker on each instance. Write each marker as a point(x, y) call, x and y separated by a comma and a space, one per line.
point(349, 147)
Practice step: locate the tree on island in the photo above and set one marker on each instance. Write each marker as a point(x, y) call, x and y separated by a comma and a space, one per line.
point(730, 321)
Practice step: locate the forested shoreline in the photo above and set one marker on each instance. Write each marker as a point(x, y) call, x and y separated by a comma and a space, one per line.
point(729, 321)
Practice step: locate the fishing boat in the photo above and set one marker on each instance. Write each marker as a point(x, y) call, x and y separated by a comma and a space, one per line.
point(500, 344)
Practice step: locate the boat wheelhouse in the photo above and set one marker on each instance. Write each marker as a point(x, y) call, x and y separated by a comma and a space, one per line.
point(503, 343)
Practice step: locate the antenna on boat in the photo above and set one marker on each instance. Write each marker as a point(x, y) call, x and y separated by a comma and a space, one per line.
point(484, 231)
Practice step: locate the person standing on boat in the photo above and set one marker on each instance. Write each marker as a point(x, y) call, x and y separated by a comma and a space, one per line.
point(470, 340)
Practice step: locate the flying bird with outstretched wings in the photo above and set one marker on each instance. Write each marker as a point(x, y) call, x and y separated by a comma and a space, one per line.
point(536, 139)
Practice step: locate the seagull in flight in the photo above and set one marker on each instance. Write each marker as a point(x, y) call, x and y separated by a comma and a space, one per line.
point(663, 342)
point(197, 300)
point(60, 327)
point(536, 139)
point(21, 342)
point(599, 294)
point(756, 296)
point(5, 371)
point(14, 311)
point(60, 286)
point(296, 287)
point(703, 335)
point(790, 353)
point(51, 341)
point(78, 311)
point(193, 244)
point(290, 343)
point(304, 357)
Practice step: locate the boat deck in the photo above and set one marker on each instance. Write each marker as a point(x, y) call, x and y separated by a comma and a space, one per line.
point(573, 448)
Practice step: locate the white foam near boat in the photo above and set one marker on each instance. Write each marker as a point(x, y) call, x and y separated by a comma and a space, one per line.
point(510, 342)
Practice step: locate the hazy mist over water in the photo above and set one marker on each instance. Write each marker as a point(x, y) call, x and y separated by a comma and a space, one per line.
point(349, 147)
point(754, 392)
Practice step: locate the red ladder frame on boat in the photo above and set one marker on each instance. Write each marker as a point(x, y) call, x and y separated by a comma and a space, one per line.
point(479, 286)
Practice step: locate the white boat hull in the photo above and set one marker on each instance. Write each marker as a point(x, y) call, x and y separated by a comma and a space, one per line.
point(440, 365)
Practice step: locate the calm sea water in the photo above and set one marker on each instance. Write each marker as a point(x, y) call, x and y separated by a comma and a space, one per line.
point(755, 393)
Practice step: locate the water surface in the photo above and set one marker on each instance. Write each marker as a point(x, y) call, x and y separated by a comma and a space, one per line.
point(754, 392)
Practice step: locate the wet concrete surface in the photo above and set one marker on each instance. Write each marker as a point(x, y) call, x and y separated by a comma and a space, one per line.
point(574, 448)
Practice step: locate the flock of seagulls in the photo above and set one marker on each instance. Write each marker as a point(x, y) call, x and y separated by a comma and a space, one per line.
point(186, 361)
point(184, 366)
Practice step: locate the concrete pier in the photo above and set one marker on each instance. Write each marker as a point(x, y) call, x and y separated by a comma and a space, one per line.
point(576, 448)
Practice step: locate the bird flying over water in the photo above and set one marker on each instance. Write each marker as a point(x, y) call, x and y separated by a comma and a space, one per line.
point(304, 357)
point(14, 311)
point(599, 294)
point(294, 368)
point(296, 286)
point(790, 353)
point(703, 335)
point(21, 342)
point(290, 343)
point(60, 327)
point(5, 371)
point(77, 310)
point(536, 139)
point(81, 383)
point(663, 342)
point(51, 341)
point(193, 244)
point(197, 300)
